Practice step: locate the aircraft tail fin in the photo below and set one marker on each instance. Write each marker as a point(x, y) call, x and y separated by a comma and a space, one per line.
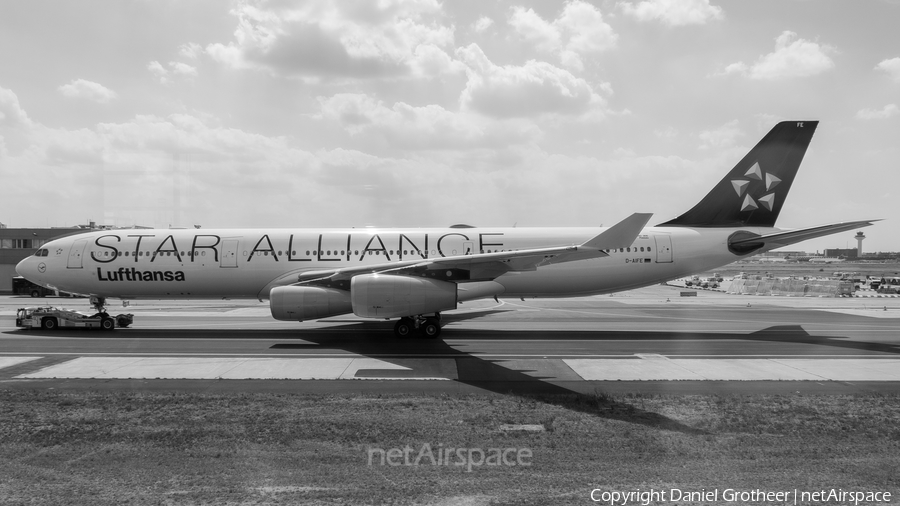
point(754, 191)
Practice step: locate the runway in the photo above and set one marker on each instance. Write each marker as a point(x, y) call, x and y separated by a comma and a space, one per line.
point(647, 340)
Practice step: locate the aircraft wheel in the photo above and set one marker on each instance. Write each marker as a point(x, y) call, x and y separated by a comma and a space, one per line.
point(48, 323)
point(403, 328)
point(431, 328)
point(107, 324)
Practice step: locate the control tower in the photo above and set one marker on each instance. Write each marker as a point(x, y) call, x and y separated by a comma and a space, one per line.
point(859, 239)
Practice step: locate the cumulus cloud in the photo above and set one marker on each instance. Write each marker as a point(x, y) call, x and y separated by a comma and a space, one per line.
point(482, 24)
point(532, 89)
point(578, 31)
point(892, 67)
point(888, 111)
point(175, 69)
point(159, 71)
point(427, 127)
point(793, 57)
point(183, 69)
point(673, 12)
point(170, 157)
point(88, 90)
point(191, 50)
point(723, 137)
point(129, 166)
point(332, 39)
point(11, 113)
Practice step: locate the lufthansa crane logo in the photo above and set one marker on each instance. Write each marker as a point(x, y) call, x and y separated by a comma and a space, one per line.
point(42, 267)
point(767, 201)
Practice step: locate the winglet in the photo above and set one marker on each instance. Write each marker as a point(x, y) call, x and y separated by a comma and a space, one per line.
point(620, 235)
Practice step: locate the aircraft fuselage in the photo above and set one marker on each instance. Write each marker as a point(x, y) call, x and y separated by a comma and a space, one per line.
point(237, 263)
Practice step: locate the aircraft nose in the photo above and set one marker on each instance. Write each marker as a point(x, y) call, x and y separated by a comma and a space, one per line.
point(30, 268)
point(22, 267)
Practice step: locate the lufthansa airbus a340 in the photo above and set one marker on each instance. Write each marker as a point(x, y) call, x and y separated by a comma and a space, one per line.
point(414, 274)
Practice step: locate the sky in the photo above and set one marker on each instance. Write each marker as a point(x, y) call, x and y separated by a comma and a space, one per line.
point(396, 113)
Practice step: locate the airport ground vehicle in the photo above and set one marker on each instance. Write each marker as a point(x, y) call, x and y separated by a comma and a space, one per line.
point(21, 286)
point(889, 285)
point(49, 318)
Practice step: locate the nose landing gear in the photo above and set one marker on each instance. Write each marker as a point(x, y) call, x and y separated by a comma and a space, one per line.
point(429, 327)
point(98, 303)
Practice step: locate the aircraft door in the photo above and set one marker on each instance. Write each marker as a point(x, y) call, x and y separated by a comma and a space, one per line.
point(229, 253)
point(76, 252)
point(663, 249)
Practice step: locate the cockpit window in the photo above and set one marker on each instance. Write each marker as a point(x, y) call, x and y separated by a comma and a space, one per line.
point(41, 253)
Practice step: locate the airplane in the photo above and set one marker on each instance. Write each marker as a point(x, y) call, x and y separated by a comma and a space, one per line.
point(415, 274)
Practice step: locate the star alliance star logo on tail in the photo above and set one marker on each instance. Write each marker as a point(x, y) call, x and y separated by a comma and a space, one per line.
point(740, 187)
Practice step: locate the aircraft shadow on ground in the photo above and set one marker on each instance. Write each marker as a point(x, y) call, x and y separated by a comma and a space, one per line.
point(489, 375)
point(372, 340)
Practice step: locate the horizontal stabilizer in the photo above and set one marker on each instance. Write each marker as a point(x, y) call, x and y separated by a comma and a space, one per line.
point(757, 243)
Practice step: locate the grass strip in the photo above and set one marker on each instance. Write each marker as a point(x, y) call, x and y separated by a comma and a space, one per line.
point(99, 448)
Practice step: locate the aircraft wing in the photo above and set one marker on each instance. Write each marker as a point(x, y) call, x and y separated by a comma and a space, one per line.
point(487, 266)
point(777, 240)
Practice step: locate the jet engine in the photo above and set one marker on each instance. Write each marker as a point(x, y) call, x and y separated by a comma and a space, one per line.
point(298, 303)
point(388, 296)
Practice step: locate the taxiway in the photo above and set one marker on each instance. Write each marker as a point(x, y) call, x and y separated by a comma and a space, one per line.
point(647, 340)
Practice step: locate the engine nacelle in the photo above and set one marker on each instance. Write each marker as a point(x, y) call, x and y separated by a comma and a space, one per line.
point(388, 296)
point(298, 303)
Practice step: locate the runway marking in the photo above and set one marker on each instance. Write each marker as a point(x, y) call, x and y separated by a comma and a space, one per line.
point(872, 313)
point(741, 369)
point(219, 368)
point(635, 367)
point(11, 361)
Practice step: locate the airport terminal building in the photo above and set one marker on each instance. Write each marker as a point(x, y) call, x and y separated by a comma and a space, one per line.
point(18, 243)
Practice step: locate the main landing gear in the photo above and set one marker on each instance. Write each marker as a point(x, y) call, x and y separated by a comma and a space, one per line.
point(429, 327)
